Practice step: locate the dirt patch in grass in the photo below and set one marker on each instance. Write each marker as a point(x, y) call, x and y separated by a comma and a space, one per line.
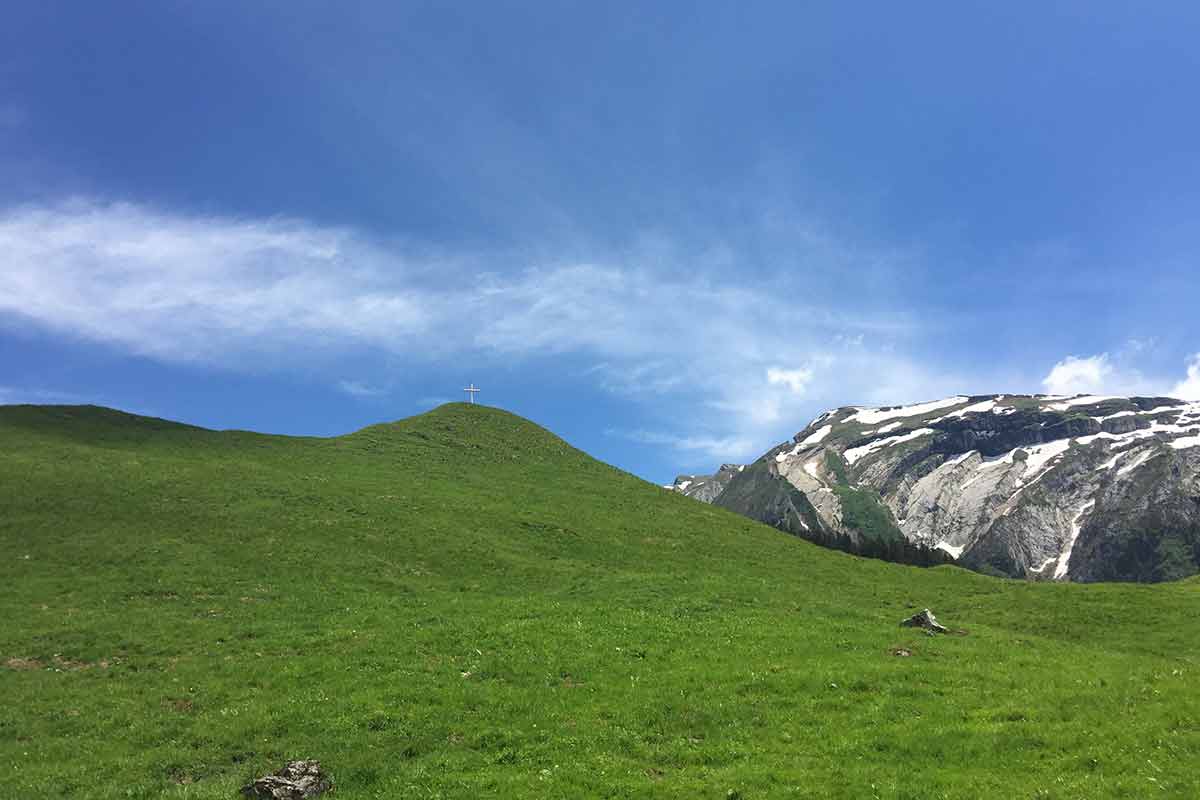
point(183, 778)
point(23, 664)
point(57, 662)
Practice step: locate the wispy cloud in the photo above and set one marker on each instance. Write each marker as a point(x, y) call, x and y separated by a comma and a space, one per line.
point(17, 394)
point(198, 289)
point(794, 379)
point(361, 389)
point(738, 358)
point(430, 402)
point(713, 448)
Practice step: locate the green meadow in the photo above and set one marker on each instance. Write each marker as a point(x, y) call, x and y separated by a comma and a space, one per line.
point(461, 605)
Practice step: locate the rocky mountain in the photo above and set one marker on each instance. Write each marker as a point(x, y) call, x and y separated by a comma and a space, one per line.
point(706, 488)
point(1084, 488)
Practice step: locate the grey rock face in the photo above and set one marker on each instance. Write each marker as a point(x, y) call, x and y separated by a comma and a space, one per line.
point(298, 780)
point(925, 620)
point(1048, 488)
point(762, 493)
point(706, 488)
point(1147, 527)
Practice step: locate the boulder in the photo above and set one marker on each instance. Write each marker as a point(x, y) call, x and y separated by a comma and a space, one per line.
point(925, 620)
point(298, 780)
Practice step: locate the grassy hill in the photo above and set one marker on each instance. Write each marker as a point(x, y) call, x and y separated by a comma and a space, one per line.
point(462, 605)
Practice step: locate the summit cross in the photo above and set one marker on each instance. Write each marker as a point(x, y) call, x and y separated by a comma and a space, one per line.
point(471, 390)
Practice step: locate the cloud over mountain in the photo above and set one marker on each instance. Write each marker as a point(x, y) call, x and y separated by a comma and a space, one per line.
point(1119, 374)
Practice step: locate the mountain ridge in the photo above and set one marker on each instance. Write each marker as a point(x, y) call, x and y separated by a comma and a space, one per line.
point(1033, 486)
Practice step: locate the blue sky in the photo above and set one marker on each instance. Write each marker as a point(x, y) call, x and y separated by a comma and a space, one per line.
point(672, 233)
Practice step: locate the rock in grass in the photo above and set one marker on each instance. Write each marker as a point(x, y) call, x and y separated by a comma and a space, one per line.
point(925, 620)
point(298, 780)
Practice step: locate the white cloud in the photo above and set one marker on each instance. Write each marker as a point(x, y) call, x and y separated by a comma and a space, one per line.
point(794, 379)
point(199, 289)
point(283, 294)
point(1105, 373)
point(1074, 375)
point(1189, 387)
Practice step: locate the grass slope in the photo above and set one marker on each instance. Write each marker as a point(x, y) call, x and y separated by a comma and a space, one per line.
point(462, 605)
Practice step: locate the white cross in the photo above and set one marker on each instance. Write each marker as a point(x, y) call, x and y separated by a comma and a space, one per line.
point(471, 390)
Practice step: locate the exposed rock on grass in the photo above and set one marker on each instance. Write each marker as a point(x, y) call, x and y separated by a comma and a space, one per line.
point(298, 780)
point(925, 620)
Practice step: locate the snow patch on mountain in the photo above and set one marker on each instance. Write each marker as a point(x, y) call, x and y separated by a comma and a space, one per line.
point(1044, 564)
point(1064, 560)
point(1142, 458)
point(953, 550)
point(981, 407)
point(1039, 457)
point(1081, 400)
point(872, 416)
point(854, 454)
point(1187, 441)
point(817, 437)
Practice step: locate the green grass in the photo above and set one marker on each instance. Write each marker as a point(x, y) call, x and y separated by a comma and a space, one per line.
point(462, 605)
point(863, 511)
